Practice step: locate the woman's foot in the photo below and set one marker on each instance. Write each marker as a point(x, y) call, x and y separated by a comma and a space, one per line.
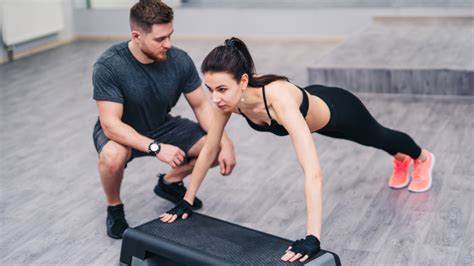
point(422, 173)
point(399, 178)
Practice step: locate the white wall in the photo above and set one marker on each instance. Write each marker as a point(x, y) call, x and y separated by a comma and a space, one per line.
point(65, 34)
point(262, 23)
point(224, 22)
point(69, 8)
point(117, 4)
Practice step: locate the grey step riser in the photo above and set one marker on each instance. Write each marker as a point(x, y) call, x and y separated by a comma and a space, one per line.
point(407, 81)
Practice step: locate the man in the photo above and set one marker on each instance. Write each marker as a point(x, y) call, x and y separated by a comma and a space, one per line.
point(136, 83)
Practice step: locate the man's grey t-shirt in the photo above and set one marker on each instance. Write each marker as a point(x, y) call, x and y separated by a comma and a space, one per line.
point(147, 91)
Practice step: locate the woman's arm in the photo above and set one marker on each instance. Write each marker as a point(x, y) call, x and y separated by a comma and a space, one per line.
point(202, 108)
point(286, 107)
point(208, 153)
point(205, 159)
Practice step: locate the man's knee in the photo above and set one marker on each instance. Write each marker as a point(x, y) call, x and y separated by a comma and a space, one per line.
point(114, 156)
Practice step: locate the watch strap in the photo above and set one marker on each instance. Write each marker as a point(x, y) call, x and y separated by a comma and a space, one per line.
point(150, 151)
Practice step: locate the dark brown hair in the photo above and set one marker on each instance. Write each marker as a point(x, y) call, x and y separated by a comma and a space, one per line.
point(234, 58)
point(146, 13)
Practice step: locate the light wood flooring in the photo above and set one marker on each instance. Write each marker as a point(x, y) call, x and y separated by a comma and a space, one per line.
point(52, 208)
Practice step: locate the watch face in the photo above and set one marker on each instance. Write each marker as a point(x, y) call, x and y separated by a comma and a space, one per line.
point(154, 147)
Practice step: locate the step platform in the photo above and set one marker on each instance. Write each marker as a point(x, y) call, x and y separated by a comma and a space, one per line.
point(204, 240)
point(407, 55)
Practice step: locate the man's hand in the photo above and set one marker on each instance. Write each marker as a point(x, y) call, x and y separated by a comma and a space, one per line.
point(226, 159)
point(171, 155)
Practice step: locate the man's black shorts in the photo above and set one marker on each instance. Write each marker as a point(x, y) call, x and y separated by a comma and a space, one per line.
point(177, 131)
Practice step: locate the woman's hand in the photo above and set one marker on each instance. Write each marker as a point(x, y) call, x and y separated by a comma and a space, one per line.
point(181, 210)
point(226, 159)
point(302, 249)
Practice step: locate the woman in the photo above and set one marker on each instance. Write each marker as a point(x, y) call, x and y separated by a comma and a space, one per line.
point(271, 103)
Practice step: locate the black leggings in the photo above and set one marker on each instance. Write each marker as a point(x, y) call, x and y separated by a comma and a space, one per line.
point(352, 121)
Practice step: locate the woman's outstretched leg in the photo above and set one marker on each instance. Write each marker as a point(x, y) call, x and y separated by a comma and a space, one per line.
point(404, 151)
point(354, 122)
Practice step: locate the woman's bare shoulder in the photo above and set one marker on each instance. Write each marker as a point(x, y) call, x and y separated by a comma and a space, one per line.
point(281, 90)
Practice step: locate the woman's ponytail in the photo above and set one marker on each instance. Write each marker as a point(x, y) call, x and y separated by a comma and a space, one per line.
point(234, 58)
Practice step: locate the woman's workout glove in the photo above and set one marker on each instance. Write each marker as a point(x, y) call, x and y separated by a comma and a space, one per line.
point(181, 208)
point(309, 246)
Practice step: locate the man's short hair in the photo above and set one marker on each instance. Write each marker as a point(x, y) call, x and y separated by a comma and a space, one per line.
point(146, 13)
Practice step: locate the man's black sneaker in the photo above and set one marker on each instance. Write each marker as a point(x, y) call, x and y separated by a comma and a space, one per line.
point(173, 192)
point(116, 223)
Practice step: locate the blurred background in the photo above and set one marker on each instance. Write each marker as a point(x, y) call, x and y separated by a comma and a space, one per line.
point(393, 37)
point(410, 61)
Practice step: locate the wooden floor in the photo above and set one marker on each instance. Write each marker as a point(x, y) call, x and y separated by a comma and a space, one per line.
point(53, 208)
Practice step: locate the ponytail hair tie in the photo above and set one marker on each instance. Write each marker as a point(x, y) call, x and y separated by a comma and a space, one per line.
point(229, 43)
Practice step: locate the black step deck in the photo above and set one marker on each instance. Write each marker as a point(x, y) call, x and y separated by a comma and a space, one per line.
point(204, 240)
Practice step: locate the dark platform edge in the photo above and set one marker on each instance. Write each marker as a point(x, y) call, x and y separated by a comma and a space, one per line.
point(132, 248)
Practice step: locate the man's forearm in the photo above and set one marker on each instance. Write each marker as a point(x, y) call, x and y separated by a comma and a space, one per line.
point(205, 123)
point(126, 135)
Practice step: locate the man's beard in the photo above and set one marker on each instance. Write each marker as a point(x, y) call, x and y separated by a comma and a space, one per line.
point(153, 56)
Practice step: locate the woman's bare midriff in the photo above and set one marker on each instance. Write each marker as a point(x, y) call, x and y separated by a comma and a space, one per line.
point(318, 113)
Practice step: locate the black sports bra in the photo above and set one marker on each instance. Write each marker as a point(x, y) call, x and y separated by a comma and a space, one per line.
point(274, 127)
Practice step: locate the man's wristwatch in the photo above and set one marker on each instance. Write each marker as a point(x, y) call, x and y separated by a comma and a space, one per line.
point(154, 148)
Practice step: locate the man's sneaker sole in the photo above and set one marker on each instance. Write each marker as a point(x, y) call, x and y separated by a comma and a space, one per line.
point(162, 194)
point(114, 236)
point(430, 181)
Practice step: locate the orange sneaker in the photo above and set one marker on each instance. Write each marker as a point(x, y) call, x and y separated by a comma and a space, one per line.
point(422, 178)
point(399, 178)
